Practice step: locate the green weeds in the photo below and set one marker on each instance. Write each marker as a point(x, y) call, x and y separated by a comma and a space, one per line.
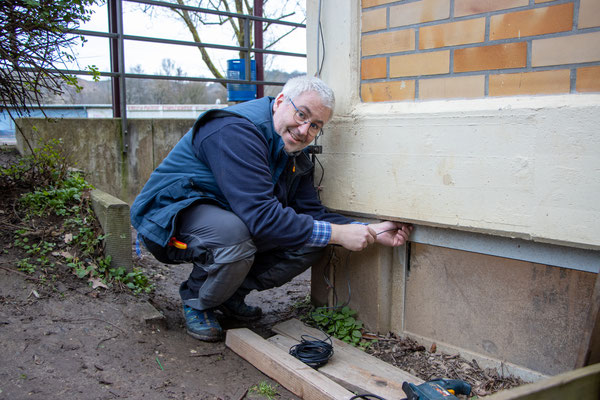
point(340, 323)
point(63, 198)
point(46, 167)
point(265, 389)
point(71, 235)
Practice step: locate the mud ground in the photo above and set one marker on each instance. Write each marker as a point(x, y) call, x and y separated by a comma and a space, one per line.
point(76, 342)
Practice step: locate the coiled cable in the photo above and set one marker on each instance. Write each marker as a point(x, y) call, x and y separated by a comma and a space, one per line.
point(315, 352)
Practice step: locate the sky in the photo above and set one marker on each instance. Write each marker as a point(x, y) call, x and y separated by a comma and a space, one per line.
point(163, 23)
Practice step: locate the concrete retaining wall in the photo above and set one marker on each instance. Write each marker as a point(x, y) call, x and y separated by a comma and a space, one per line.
point(96, 146)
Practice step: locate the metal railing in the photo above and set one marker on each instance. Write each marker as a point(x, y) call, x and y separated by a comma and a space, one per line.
point(117, 51)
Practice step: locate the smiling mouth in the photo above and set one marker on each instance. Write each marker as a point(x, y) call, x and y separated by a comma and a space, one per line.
point(295, 137)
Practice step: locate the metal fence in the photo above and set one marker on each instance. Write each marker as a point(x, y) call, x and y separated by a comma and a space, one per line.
point(117, 39)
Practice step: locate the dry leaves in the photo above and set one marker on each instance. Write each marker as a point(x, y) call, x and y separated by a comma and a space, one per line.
point(406, 354)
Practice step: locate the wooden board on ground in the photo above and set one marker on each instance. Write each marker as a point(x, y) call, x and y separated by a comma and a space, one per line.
point(350, 367)
point(291, 373)
point(580, 384)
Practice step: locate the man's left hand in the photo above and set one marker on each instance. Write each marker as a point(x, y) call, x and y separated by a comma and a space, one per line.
point(391, 233)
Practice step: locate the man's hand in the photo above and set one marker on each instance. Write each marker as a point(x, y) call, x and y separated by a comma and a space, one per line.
point(353, 237)
point(390, 233)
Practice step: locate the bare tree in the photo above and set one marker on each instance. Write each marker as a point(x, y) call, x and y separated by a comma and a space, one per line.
point(34, 45)
point(196, 22)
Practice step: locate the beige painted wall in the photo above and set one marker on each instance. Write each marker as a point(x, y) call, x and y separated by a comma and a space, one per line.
point(523, 167)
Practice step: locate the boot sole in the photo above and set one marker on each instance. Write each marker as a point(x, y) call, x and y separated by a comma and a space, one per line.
point(230, 314)
point(205, 338)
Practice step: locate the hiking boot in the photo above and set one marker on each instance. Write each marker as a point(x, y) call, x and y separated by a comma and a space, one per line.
point(202, 325)
point(236, 308)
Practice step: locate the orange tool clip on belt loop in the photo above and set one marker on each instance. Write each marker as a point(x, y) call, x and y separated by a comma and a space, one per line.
point(177, 244)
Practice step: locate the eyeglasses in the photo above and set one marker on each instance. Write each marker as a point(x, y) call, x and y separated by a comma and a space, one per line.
point(301, 118)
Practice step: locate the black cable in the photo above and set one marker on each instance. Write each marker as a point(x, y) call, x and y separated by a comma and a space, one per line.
point(314, 158)
point(314, 353)
point(320, 35)
point(367, 396)
point(323, 42)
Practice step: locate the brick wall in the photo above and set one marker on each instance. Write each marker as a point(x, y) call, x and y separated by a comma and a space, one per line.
point(436, 49)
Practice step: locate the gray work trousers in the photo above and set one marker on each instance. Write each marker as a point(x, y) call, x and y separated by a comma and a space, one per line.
point(226, 261)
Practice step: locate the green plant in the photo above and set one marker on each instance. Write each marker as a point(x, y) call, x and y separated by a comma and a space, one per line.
point(134, 280)
point(65, 197)
point(340, 323)
point(303, 306)
point(37, 253)
point(46, 166)
point(62, 199)
point(25, 266)
point(265, 389)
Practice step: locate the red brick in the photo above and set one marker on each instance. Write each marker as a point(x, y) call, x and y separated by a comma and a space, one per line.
point(388, 91)
point(470, 7)
point(588, 79)
point(436, 62)
point(373, 68)
point(373, 3)
point(452, 34)
point(388, 42)
point(454, 87)
point(419, 12)
point(589, 14)
point(374, 20)
point(570, 49)
point(538, 21)
point(500, 56)
point(539, 82)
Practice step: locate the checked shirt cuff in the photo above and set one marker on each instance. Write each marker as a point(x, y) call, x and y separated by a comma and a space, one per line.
point(321, 233)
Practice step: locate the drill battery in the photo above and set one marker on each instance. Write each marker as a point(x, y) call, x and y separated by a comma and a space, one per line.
point(436, 389)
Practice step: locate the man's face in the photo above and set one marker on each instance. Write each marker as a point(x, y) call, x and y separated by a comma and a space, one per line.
point(297, 136)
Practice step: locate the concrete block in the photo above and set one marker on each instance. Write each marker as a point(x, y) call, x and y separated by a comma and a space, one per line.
point(145, 313)
point(113, 215)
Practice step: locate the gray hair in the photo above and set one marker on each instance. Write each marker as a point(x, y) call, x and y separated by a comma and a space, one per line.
point(304, 83)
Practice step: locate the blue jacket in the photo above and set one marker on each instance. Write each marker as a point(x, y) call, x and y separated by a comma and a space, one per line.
point(233, 157)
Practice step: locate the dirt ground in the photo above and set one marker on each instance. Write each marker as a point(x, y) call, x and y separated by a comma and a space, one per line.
point(64, 339)
point(76, 342)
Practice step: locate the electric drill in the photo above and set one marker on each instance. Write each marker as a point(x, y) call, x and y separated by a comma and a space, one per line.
point(436, 389)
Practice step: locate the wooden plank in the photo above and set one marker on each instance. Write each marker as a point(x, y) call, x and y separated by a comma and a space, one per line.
point(350, 367)
point(291, 373)
point(580, 384)
point(589, 353)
